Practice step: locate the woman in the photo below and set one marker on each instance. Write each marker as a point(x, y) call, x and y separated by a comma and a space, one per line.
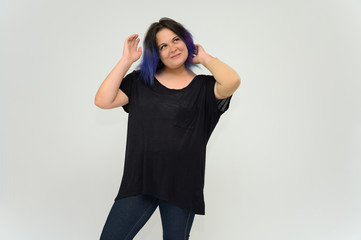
point(172, 113)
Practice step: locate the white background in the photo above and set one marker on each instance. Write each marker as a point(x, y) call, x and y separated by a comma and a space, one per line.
point(283, 163)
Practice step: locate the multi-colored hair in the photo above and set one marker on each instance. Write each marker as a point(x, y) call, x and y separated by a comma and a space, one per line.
point(151, 63)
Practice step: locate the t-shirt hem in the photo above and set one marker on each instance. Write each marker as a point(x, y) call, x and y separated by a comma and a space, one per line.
point(195, 211)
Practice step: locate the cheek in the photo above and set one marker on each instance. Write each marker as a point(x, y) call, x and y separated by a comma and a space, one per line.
point(185, 49)
point(162, 55)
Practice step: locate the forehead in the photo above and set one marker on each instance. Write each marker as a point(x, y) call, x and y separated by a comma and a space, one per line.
point(164, 36)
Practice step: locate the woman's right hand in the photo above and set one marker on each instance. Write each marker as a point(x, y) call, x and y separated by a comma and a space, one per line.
point(130, 51)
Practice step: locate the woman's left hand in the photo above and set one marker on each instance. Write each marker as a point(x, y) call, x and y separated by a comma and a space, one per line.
point(201, 56)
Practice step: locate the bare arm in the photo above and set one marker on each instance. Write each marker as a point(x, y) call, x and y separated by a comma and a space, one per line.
point(227, 80)
point(109, 95)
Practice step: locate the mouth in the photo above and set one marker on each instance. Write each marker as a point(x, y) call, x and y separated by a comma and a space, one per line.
point(175, 56)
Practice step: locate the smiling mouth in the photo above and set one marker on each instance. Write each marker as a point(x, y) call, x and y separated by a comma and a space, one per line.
point(176, 55)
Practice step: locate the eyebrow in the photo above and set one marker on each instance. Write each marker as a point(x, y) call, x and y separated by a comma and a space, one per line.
point(164, 43)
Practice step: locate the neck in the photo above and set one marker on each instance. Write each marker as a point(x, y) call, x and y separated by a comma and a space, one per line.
point(176, 71)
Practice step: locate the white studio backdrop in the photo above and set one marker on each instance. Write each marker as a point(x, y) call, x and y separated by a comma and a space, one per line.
point(283, 162)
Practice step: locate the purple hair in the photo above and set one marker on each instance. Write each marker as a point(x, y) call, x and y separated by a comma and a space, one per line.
point(151, 63)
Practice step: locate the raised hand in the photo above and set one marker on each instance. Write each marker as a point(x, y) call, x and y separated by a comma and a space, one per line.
point(201, 56)
point(130, 51)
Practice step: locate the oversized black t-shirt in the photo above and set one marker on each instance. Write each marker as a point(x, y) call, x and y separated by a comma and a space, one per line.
point(168, 130)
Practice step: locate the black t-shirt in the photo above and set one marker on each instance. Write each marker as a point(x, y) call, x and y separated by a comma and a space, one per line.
point(168, 130)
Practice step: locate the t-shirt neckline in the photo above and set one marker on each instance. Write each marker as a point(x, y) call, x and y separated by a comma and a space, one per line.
point(173, 90)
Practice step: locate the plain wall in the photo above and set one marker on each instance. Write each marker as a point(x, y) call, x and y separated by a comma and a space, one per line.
point(283, 162)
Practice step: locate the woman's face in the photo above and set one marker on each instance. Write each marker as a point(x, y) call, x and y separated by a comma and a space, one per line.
point(172, 50)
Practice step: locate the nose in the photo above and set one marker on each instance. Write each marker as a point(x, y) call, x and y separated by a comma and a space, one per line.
point(172, 47)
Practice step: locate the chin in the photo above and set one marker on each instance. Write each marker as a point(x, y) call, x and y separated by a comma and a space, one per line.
point(176, 66)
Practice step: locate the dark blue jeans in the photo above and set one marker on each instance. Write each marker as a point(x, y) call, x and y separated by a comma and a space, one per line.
point(128, 215)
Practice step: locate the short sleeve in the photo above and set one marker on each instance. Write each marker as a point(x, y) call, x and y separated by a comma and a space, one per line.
point(216, 106)
point(126, 87)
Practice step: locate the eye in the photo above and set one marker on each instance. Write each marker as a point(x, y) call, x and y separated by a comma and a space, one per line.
point(162, 46)
point(176, 39)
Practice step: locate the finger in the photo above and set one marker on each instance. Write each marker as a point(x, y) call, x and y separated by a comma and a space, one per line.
point(135, 43)
point(136, 40)
point(196, 50)
point(132, 37)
